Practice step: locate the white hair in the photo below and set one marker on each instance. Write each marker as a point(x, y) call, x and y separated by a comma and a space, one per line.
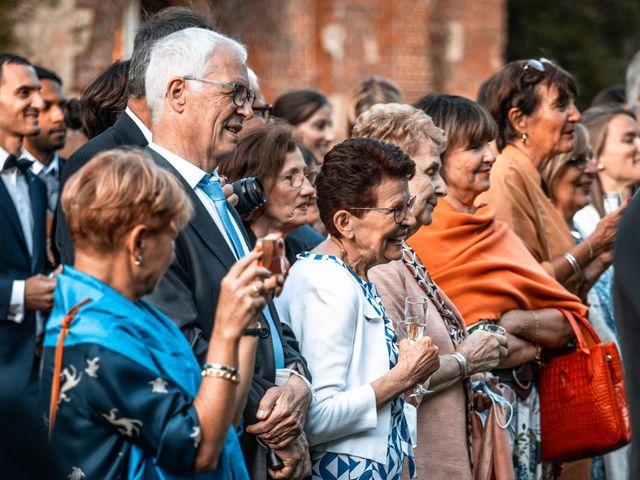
point(185, 52)
point(632, 88)
point(253, 79)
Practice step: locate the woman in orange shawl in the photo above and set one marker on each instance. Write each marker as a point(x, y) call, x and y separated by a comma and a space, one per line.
point(488, 272)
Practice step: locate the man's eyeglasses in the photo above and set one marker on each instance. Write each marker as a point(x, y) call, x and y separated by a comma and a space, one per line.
point(297, 179)
point(263, 111)
point(241, 94)
point(399, 213)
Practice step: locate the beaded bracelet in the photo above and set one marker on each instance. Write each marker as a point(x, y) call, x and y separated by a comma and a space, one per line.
point(537, 320)
point(221, 371)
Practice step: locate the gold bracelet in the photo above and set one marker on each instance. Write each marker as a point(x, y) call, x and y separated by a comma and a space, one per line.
point(210, 371)
point(537, 320)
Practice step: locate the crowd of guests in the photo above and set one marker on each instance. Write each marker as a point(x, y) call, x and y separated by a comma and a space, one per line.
point(143, 327)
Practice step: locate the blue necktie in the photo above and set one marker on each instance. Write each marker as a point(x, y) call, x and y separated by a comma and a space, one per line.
point(214, 191)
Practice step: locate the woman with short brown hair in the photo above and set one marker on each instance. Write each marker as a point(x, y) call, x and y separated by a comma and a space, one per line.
point(358, 426)
point(125, 396)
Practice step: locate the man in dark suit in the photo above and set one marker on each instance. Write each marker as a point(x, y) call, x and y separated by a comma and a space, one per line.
point(42, 149)
point(626, 297)
point(24, 289)
point(132, 127)
point(198, 95)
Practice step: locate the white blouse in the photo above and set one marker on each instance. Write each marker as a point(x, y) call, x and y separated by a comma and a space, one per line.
point(342, 338)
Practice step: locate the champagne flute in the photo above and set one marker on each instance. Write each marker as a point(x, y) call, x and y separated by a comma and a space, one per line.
point(413, 327)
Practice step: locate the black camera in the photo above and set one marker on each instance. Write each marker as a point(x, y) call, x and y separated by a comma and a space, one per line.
point(251, 195)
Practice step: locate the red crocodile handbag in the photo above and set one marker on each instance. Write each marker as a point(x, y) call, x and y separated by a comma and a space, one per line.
point(583, 407)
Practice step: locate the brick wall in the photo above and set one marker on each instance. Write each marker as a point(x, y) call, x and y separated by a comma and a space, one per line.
point(423, 45)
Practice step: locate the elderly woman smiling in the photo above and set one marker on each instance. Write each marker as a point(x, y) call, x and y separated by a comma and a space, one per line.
point(125, 394)
point(270, 153)
point(532, 102)
point(443, 445)
point(357, 425)
point(488, 272)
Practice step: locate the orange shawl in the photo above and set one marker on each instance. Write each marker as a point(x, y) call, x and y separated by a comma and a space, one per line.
point(484, 267)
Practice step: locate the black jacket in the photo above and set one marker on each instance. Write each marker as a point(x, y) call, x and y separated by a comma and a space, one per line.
point(188, 294)
point(124, 132)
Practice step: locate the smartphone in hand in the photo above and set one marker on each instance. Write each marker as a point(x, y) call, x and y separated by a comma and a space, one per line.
point(273, 254)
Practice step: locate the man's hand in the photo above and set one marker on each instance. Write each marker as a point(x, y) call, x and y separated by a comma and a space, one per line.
point(38, 292)
point(295, 458)
point(227, 189)
point(282, 413)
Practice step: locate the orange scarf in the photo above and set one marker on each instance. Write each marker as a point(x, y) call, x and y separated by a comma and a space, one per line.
point(484, 268)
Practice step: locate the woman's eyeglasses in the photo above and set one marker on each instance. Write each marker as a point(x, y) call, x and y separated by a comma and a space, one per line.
point(399, 213)
point(241, 94)
point(297, 179)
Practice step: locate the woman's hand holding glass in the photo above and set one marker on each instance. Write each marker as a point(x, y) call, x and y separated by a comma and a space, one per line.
point(244, 292)
point(417, 360)
point(484, 350)
point(413, 326)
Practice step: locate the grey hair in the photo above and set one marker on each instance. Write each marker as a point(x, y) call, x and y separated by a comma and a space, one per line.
point(633, 82)
point(183, 53)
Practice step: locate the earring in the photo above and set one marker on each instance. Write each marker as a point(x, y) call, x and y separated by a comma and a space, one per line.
point(138, 259)
point(523, 138)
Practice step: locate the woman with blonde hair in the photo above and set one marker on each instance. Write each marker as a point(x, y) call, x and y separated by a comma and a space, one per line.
point(125, 395)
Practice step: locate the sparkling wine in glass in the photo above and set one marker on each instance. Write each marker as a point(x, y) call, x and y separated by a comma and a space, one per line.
point(413, 327)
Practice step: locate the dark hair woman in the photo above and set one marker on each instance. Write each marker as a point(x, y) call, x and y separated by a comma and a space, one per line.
point(269, 153)
point(532, 102)
point(489, 273)
point(309, 112)
point(358, 419)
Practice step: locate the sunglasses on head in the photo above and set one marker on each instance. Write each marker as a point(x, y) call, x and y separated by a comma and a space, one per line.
point(536, 64)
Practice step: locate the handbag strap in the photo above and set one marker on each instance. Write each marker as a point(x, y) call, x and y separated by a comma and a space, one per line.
point(580, 329)
point(57, 365)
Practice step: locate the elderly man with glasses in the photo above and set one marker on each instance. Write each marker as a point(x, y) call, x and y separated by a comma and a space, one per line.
point(198, 93)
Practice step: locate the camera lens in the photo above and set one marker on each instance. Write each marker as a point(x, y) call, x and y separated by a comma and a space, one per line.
point(251, 195)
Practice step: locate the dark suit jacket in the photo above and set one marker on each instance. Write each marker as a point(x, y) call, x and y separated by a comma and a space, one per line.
point(17, 341)
point(626, 295)
point(124, 132)
point(188, 293)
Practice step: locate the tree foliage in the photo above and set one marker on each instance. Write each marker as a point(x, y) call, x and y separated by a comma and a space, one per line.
point(593, 39)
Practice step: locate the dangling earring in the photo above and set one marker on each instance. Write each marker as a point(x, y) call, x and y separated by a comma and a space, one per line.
point(138, 259)
point(523, 138)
